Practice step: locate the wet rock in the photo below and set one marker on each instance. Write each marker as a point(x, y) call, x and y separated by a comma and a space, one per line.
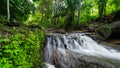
point(61, 31)
point(77, 60)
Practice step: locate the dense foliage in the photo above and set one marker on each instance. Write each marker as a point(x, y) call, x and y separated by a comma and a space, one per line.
point(57, 13)
point(19, 9)
point(21, 50)
point(81, 11)
point(60, 13)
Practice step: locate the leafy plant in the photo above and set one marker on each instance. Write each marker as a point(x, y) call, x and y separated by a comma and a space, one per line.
point(20, 51)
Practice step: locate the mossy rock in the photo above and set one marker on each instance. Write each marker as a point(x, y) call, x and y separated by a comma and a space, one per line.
point(111, 30)
point(104, 31)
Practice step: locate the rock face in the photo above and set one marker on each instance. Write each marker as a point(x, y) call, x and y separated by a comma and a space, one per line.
point(109, 31)
point(76, 60)
point(83, 61)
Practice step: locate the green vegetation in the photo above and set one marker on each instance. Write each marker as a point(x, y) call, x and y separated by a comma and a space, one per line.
point(21, 50)
point(19, 9)
point(49, 13)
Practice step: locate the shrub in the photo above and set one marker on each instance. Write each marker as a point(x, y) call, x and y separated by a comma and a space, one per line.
point(21, 51)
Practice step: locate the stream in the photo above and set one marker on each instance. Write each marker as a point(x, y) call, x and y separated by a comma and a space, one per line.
point(77, 50)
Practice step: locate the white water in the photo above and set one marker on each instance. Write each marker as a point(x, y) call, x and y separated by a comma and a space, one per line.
point(49, 65)
point(79, 43)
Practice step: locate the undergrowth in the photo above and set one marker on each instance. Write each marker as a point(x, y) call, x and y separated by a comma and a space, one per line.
point(21, 51)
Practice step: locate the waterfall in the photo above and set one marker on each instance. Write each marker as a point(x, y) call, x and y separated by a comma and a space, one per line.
point(59, 46)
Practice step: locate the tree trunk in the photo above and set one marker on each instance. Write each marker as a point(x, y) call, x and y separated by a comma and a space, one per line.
point(70, 19)
point(78, 16)
point(8, 10)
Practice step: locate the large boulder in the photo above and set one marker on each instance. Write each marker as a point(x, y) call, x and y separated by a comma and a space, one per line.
point(84, 61)
point(104, 31)
point(76, 60)
point(109, 31)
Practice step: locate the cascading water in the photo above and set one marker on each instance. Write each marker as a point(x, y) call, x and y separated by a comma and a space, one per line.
point(59, 46)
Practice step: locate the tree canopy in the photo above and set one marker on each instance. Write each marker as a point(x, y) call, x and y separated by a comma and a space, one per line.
point(62, 12)
point(19, 9)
